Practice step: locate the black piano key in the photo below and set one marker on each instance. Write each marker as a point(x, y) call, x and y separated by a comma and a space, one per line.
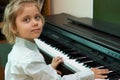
point(75, 55)
point(83, 60)
point(70, 50)
point(114, 75)
point(63, 48)
point(52, 42)
point(105, 67)
point(56, 44)
point(92, 64)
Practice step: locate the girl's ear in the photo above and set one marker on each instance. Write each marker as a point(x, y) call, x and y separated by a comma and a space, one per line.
point(14, 30)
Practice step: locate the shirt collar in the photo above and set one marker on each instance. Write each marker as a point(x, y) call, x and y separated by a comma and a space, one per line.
point(25, 43)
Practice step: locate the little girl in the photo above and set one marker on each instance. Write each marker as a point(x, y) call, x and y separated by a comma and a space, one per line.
point(22, 24)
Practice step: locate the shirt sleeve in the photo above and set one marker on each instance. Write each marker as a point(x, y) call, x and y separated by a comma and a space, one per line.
point(38, 69)
point(83, 75)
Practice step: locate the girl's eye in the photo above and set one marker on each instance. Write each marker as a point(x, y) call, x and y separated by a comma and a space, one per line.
point(37, 18)
point(26, 20)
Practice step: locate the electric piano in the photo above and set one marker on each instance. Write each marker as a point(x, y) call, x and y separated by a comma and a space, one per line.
point(82, 42)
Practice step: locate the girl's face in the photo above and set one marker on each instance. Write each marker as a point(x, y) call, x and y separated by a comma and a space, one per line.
point(28, 23)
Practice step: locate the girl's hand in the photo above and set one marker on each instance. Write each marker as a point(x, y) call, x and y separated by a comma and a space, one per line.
point(100, 73)
point(56, 61)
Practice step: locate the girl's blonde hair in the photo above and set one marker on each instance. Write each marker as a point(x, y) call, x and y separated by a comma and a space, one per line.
point(10, 15)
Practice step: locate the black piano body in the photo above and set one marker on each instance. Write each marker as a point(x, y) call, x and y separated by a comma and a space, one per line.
point(84, 37)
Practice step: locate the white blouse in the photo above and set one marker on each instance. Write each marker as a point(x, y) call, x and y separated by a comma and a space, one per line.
point(25, 62)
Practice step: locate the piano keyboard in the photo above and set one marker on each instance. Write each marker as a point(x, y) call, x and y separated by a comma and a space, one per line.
point(53, 52)
point(71, 63)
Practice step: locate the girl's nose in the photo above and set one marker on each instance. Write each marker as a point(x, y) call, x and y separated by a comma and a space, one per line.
point(35, 23)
